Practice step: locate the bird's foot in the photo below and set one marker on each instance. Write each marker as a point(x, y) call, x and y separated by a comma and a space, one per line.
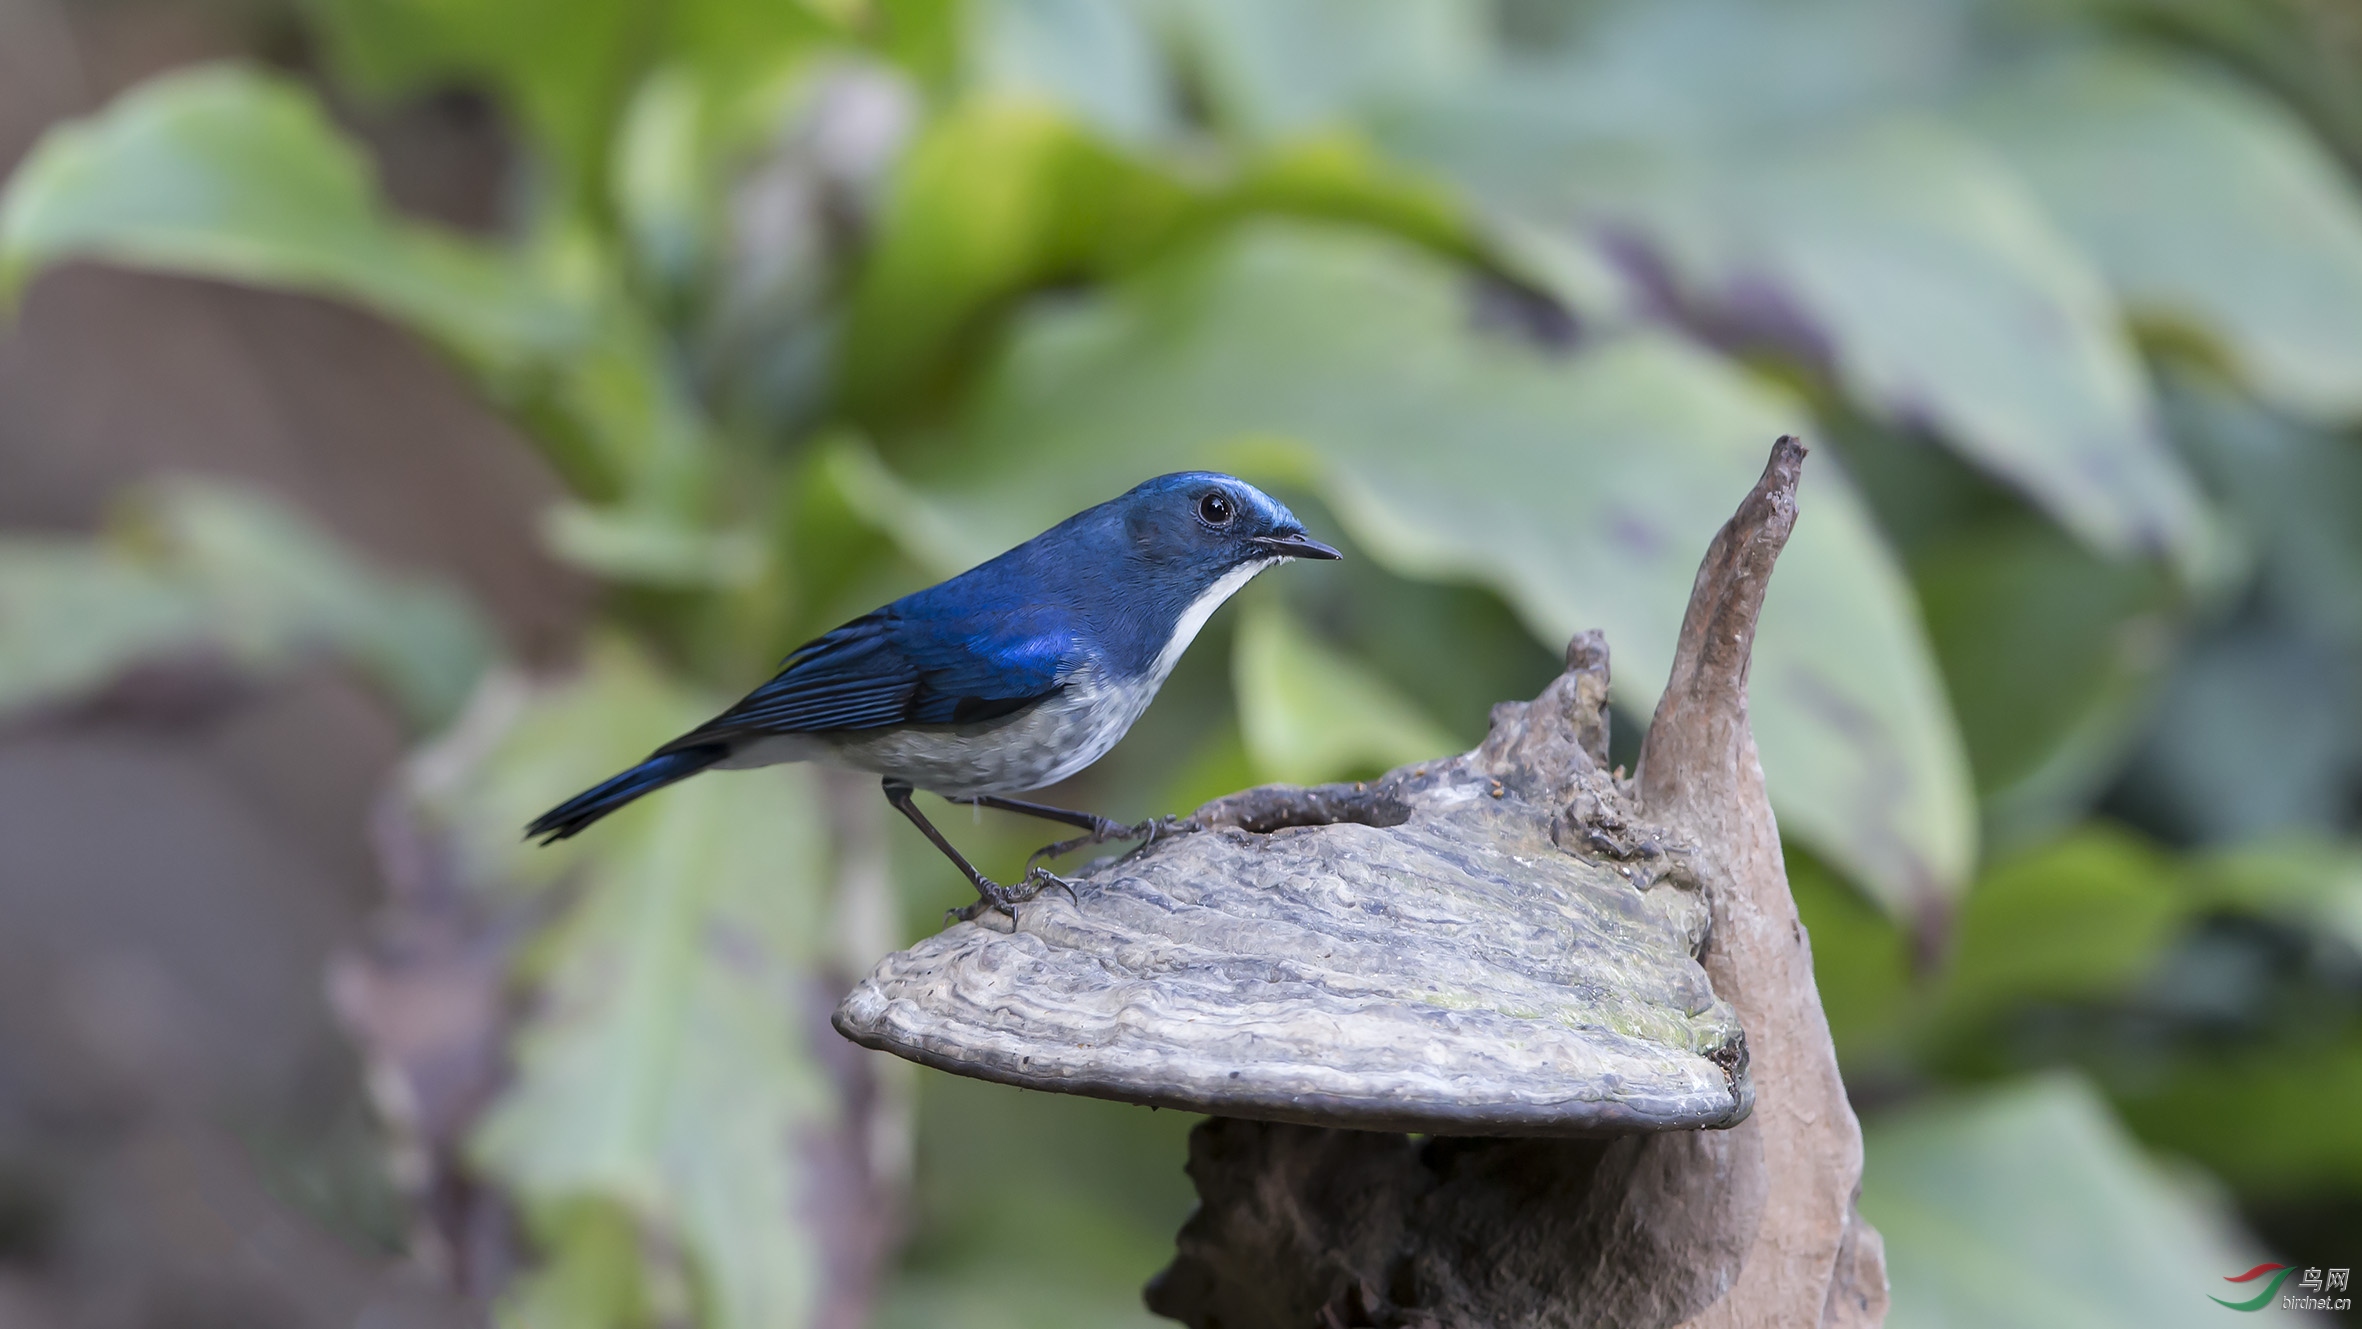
point(1157, 828)
point(1146, 832)
point(1039, 879)
point(1058, 849)
point(992, 895)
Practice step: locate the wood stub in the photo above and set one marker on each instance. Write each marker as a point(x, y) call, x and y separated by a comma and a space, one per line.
point(1809, 1258)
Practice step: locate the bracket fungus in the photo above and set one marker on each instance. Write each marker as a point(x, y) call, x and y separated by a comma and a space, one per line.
point(1419, 953)
point(1587, 997)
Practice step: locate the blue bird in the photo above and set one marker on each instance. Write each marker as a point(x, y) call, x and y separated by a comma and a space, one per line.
point(1010, 676)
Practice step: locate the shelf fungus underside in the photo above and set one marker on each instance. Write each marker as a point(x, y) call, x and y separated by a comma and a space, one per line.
point(1485, 944)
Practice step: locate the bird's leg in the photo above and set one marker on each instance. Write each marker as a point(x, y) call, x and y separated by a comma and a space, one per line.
point(1099, 829)
point(1146, 832)
point(990, 894)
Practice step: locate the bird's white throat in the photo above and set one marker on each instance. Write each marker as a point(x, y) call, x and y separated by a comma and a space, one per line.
point(1193, 619)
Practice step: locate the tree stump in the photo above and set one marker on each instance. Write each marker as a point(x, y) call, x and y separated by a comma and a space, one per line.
point(1497, 1040)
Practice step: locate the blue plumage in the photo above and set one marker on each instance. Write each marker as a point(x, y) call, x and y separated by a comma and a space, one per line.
point(1010, 676)
point(911, 662)
point(602, 798)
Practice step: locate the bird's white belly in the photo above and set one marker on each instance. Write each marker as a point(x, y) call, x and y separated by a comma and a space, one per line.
point(1037, 747)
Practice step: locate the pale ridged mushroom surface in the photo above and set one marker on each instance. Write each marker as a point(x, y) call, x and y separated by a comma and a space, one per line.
point(1484, 944)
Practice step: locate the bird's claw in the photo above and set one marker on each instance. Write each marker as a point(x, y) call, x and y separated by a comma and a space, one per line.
point(1040, 879)
point(1157, 828)
point(990, 895)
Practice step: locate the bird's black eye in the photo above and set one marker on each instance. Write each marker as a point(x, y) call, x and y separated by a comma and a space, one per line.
point(1215, 509)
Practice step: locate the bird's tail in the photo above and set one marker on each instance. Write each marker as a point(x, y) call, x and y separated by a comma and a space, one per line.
point(600, 799)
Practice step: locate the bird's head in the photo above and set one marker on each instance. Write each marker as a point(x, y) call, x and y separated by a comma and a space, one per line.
point(1212, 524)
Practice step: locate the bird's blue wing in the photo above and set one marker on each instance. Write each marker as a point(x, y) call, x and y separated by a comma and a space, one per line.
point(853, 678)
point(909, 663)
point(984, 671)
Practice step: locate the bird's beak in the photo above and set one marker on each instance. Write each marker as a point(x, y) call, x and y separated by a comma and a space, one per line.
point(1298, 545)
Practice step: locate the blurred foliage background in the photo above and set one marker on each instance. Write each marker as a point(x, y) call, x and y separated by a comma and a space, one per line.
point(804, 305)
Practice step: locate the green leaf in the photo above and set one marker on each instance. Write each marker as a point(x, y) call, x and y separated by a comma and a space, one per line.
point(2293, 490)
point(228, 173)
point(1311, 714)
point(2314, 884)
point(195, 570)
point(1900, 252)
point(2290, 1078)
point(235, 174)
point(2050, 656)
point(663, 197)
point(2256, 734)
point(736, 47)
point(1583, 487)
point(664, 1067)
point(1007, 195)
point(1454, 650)
point(2029, 1206)
point(2274, 1119)
point(1276, 67)
point(2083, 920)
point(1098, 60)
point(997, 198)
point(2085, 917)
point(2206, 206)
point(1948, 297)
point(1056, 1227)
point(621, 420)
point(1861, 967)
point(563, 68)
point(1341, 176)
point(589, 1278)
point(560, 66)
point(1692, 69)
point(650, 550)
point(2087, 922)
point(2305, 53)
point(929, 533)
point(75, 615)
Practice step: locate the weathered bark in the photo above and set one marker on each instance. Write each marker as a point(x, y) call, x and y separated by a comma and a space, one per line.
point(1303, 929)
point(1810, 1255)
